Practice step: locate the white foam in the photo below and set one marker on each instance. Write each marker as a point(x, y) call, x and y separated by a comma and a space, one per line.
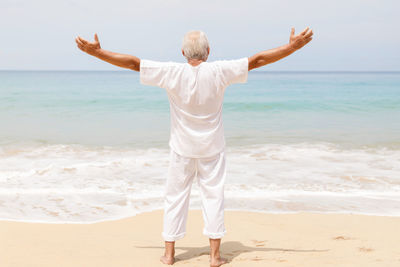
point(80, 184)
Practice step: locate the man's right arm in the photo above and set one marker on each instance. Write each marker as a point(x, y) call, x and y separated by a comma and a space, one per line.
point(269, 56)
point(117, 59)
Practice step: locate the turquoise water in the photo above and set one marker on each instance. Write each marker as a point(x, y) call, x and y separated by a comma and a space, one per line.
point(92, 146)
point(113, 108)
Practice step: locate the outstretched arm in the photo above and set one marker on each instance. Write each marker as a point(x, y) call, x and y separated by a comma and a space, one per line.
point(269, 56)
point(120, 60)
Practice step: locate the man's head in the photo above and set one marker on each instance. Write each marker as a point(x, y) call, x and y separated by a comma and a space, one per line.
point(195, 45)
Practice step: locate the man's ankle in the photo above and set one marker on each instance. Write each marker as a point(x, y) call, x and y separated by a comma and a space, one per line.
point(215, 255)
point(169, 253)
point(169, 249)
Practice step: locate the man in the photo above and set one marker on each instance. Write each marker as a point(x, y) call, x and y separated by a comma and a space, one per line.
point(197, 146)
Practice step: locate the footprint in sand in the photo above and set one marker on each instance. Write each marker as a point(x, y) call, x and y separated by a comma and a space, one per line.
point(340, 237)
point(364, 249)
point(259, 243)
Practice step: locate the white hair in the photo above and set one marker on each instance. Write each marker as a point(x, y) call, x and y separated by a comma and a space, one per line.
point(195, 45)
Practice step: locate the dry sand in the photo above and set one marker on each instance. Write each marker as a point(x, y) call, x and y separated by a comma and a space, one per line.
point(253, 239)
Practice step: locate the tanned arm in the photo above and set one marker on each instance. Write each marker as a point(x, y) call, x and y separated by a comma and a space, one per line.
point(269, 56)
point(120, 60)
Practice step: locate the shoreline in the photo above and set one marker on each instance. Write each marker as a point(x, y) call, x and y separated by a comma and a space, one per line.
point(252, 239)
point(199, 210)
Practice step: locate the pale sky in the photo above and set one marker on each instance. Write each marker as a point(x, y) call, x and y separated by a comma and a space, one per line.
point(348, 34)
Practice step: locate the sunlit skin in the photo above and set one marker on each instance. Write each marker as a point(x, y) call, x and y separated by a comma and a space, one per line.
point(256, 61)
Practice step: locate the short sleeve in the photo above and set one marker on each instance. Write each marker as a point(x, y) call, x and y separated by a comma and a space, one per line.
point(234, 71)
point(155, 73)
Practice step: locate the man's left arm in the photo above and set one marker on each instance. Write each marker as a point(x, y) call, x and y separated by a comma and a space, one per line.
point(117, 59)
point(272, 55)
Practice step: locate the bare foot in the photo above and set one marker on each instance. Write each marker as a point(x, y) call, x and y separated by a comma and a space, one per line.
point(217, 262)
point(168, 260)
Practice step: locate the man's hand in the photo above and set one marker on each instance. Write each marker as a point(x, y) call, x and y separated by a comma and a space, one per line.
point(300, 40)
point(89, 47)
point(117, 59)
point(272, 55)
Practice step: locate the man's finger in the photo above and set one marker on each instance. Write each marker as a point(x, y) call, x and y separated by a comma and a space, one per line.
point(292, 32)
point(309, 34)
point(81, 47)
point(82, 40)
point(78, 41)
point(96, 38)
point(304, 31)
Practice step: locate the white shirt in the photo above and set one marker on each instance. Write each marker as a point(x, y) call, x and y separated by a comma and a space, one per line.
point(195, 95)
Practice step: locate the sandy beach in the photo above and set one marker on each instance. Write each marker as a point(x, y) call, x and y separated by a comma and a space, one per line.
point(253, 239)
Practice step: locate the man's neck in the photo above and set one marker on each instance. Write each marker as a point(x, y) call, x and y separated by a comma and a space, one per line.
point(195, 62)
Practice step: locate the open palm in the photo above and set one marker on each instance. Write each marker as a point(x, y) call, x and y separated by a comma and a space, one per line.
point(300, 40)
point(88, 47)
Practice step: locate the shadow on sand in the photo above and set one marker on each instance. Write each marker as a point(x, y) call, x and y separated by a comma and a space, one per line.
point(229, 250)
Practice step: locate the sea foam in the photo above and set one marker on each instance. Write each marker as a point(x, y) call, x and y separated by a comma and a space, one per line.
point(85, 184)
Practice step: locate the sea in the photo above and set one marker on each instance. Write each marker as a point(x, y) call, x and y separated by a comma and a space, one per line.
point(90, 146)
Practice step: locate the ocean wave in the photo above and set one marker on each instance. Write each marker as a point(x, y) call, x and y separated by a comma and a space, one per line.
point(83, 184)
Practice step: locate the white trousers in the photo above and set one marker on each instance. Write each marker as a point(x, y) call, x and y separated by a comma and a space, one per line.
point(210, 173)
